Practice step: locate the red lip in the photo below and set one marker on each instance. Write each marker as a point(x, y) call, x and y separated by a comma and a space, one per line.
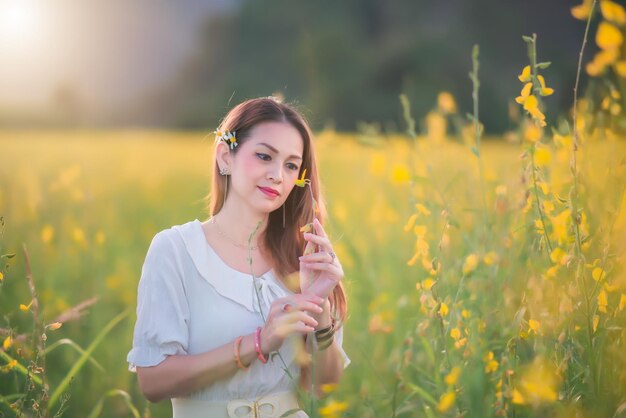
point(269, 191)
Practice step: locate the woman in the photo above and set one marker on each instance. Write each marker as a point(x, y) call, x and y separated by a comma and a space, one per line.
point(220, 325)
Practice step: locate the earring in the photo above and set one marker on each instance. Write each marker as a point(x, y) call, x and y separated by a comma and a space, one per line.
point(283, 216)
point(225, 188)
point(224, 171)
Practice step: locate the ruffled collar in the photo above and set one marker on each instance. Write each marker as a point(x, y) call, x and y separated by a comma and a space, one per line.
point(228, 282)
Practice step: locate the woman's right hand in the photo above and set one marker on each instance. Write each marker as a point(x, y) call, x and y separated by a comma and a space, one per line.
point(293, 318)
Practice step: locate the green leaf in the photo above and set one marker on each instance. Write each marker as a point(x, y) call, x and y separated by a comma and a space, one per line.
point(475, 151)
point(544, 65)
point(83, 358)
point(18, 367)
point(422, 393)
point(527, 38)
point(97, 410)
point(67, 341)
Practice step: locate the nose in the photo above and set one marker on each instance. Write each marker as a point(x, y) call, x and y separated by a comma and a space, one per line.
point(276, 175)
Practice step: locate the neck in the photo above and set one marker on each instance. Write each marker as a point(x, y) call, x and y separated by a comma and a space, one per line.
point(238, 222)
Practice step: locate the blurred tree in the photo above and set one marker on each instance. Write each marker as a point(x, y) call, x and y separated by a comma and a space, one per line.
point(348, 61)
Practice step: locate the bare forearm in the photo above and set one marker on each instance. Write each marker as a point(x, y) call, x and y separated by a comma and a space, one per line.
point(328, 363)
point(180, 375)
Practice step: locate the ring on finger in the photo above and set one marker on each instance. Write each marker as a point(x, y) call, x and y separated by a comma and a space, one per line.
point(333, 256)
point(285, 307)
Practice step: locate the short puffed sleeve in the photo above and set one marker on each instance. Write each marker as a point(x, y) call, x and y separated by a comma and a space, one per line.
point(162, 322)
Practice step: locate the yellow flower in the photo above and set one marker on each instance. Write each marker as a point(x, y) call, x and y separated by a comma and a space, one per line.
point(54, 326)
point(545, 91)
point(602, 301)
point(446, 401)
point(524, 93)
point(455, 333)
point(558, 256)
point(533, 325)
point(543, 157)
point(422, 209)
point(465, 313)
point(532, 133)
point(538, 384)
point(410, 223)
point(25, 308)
point(613, 12)
point(490, 258)
point(608, 36)
point(7, 343)
point(582, 11)
point(329, 387)
point(491, 364)
point(517, 397)
point(598, 274)
point(446, 102)
point(47, 233)
point(1, 276)
point(443, 309)
point(301, 182)
point(452, 377)
point(622, 302)
point(333, 409)
point(525, 76)
point(428, 283)
point(400, 174)
point(470, 264)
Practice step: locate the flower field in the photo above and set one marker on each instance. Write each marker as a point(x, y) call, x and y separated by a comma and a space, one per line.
point(461, 298)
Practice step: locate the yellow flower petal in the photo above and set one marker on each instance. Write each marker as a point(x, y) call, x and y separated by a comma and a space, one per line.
point(525, 75)
point(301, 182)
point(602, 301)
point(581, 12)
point(598, 274)
point(608, 36)
point(613, 12)
point(443, 309)
point(446, 401)
point(452, 377)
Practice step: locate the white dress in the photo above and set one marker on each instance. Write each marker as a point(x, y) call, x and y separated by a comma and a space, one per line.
point(189, 301)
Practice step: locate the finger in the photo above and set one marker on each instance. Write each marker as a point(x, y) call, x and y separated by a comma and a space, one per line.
point(333, 268)
point(299, 316)
point(306, 306)
point(319, 228)
point(317, 257)
point(318, 240)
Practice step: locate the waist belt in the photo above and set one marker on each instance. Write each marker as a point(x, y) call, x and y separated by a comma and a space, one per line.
point(269, 406)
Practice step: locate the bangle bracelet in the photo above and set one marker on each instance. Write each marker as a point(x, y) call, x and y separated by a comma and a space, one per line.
point(257, 345)
point(237, 358)
point(325, 334)
point(325, 344)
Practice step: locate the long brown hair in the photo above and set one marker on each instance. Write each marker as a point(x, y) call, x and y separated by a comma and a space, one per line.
point(284, 245)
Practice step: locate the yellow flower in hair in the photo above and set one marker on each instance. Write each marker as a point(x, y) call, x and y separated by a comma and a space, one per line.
point(301, 182)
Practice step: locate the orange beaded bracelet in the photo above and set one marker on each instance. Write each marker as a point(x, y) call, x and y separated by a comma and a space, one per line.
point(237, 358)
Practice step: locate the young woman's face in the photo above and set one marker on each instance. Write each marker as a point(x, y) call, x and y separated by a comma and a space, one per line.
point(266, 165)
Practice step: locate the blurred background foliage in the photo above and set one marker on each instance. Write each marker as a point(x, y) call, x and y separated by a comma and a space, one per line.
point(152, 64)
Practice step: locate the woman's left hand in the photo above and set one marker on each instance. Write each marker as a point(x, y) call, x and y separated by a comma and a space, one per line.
point(320, 271)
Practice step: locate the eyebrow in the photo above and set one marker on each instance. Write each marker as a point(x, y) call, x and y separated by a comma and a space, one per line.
point(276, 151)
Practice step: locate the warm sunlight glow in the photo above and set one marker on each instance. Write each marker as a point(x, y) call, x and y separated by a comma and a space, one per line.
point(20, 22)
